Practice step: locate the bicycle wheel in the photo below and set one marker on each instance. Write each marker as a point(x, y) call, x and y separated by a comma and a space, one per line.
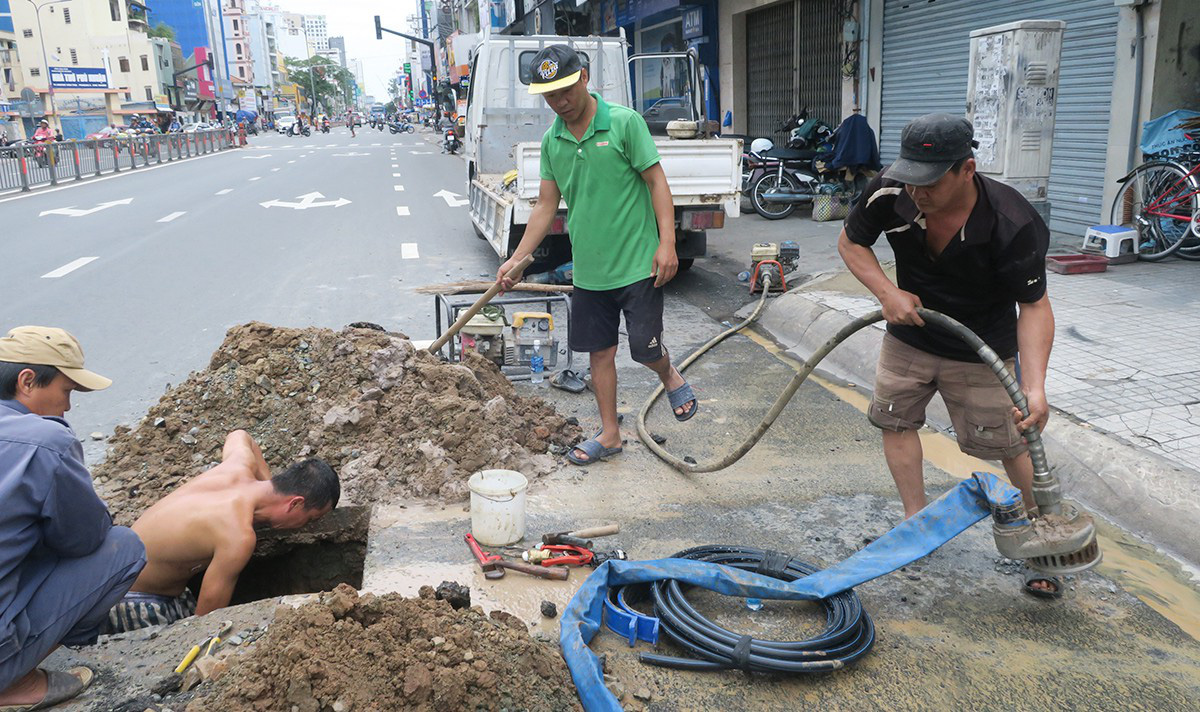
point(1158, 201)
point(772, 210)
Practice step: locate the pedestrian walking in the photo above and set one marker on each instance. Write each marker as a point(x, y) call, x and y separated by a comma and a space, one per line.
point(974, 249)
point(602, 160)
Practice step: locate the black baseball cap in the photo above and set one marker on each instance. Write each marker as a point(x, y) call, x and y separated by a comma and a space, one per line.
point(553, 68)
point(929, 146)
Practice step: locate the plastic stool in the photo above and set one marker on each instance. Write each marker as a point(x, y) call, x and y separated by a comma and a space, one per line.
point(1117, 243)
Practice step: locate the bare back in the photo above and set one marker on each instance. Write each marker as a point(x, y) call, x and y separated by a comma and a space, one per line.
point(183, 530)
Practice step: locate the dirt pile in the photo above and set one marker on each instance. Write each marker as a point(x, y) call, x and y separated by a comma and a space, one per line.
point(354, 653)
point(391, 419)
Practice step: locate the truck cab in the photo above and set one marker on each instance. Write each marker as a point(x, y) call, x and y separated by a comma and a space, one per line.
point(505, 124)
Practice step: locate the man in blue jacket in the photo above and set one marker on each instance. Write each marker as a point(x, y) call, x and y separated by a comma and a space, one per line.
point(63, 564)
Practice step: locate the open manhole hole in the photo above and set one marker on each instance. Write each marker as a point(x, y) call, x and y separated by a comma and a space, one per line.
point(329, 551)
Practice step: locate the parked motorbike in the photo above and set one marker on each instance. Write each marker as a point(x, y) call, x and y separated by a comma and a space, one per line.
point(450, 142)
point(779, 179)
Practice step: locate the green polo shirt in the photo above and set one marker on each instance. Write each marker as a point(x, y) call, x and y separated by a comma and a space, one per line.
point(610, 216)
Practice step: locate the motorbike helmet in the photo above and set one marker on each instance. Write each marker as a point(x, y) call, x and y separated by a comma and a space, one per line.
point(761, 145)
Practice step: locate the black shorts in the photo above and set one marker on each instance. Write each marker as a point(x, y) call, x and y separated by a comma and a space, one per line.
point(596, 320)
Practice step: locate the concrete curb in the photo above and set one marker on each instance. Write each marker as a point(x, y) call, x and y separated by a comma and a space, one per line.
point(1137, 490)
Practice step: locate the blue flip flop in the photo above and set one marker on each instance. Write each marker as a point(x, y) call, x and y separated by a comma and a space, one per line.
point(595, 451)
point(680, 396)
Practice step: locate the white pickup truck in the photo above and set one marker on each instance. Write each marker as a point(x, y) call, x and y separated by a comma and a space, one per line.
point(505, 123)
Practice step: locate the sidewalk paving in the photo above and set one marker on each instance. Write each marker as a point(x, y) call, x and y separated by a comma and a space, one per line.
point(1126, 436)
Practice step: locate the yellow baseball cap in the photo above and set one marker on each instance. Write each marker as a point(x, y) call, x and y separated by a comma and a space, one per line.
point(48, 346)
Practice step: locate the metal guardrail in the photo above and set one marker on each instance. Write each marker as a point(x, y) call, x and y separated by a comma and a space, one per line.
point(27, 166)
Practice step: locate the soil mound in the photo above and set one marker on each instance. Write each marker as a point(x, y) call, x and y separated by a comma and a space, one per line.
point(393, 420)
point(347, 652)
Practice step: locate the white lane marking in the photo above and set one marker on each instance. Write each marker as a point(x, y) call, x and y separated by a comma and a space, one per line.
point(256, 178)
point(402, 210)
point(408, 251)
point(451, 199)
point(377, 144)
point(291, 161)
point(399, 188)
point(172, 216)
point(70, 267)
point(330, 145)
point(308, 200)
point(395, 175)
point(225, 191)
point(421, 153)
point(395, 165)
point(274, 169)
point(255, 158)
point(80, 212)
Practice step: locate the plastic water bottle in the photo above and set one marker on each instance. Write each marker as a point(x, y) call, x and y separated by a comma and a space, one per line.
point(537, 365)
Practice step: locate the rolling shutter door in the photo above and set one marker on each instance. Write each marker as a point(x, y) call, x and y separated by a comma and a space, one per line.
point(926, 47)
point(770, 38)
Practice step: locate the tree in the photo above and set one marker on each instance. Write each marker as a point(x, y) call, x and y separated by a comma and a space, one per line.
point(394, 88)
point(390, 107)
point(322, 79)
point(162, 30)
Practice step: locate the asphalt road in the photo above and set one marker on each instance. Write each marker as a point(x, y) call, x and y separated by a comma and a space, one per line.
point(150, 284)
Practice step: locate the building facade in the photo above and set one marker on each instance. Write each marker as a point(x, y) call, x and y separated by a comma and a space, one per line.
point(317, 33)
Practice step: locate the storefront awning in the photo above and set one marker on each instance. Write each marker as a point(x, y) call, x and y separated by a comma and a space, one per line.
point(144, 107)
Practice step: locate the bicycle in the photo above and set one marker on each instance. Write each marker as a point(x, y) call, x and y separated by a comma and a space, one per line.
point(1161, 200)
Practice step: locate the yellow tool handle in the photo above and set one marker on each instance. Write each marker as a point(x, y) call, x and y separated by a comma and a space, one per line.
point(212, 644)
point(187, 659)
point(513, 274)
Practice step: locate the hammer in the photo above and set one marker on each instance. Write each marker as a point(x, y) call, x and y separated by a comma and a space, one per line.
point(580, 536)
point(493, 566)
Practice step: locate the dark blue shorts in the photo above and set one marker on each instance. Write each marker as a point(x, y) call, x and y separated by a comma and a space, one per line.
point(596, 320)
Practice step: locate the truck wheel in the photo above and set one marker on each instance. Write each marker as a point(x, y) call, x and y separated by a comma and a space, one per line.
point(478, 232)
point(686, 263)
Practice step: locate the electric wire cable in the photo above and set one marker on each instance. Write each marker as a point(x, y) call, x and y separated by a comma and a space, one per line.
point(848, 635)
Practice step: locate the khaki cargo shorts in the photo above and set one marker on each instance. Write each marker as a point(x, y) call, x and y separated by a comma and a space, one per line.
point(980, 409)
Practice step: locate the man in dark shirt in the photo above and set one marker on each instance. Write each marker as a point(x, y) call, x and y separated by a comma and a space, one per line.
point(62, 563)
point(971, 248)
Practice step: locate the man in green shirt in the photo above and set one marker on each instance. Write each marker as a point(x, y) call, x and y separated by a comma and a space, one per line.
point(601, 159)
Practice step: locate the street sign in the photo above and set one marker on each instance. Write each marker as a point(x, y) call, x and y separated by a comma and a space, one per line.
point(78, 78)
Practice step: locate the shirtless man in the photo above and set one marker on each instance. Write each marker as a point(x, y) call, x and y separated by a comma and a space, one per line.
point(209, 523)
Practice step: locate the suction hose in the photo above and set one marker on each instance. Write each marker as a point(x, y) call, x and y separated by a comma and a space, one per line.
point(1063, 543)
point(1037, 453)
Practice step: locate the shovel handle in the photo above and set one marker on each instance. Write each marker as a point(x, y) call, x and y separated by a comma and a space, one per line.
point(554, 573)
point(487, 296)
point(606, 530)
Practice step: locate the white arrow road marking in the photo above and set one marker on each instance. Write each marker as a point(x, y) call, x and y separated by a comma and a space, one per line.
point(255, 158)
point(225, 191)
point(307, 201)
point(408, 251)
point(421, 153)
point(70, 267)
point(172, 216)
point(452, 199)
point(79, 212)
point(256, 178)
point(399, 188)
point(402, 210)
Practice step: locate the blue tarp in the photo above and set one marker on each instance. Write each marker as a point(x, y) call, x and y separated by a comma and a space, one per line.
point(1160, 135)
point(916, 537)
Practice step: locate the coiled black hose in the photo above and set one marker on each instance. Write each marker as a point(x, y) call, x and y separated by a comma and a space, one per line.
point(848, 635)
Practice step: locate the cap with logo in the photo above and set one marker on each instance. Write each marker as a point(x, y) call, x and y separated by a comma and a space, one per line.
point(929, 146)
point(553, 68)
point(48, 346)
